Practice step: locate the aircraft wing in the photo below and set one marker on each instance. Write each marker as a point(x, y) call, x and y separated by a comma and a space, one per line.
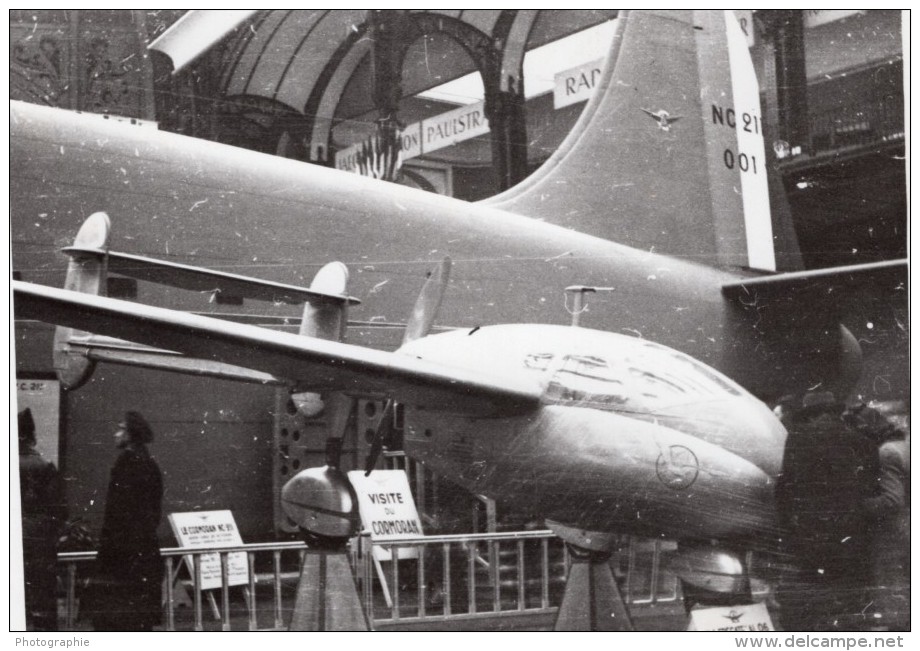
point(307, 361)
point(119, 351)
point(198, 279)
point(819, 284)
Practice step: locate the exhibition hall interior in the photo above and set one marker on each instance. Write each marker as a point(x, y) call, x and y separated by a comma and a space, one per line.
point(461, 320)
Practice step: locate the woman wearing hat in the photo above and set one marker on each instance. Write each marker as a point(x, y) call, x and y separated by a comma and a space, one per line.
point(130, 570)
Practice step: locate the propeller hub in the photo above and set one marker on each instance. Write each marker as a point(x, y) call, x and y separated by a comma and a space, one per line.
point(322, 502)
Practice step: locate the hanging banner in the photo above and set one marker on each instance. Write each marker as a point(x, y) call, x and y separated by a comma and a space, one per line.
point(576, 84)
point(454, 126)
point(429, 135)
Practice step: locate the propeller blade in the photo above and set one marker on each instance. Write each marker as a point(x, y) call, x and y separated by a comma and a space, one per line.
point(428, 303)
point(419, 324)
point(384, 429)
point(339, 407)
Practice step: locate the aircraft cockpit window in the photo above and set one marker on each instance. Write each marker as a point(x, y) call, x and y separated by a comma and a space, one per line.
point(588, 379)
point(636, 383)
point(702, 377)
point(538, 361)
point(653, 386)
point(713, 377)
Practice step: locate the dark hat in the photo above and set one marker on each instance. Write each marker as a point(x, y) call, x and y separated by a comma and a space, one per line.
point(137, 427)
point(26, 426)
point(815, 403)
point(818, 399)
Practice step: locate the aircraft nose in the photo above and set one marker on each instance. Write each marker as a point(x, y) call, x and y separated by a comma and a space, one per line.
point(624, 473)
point(760, 436)
point(742, 425)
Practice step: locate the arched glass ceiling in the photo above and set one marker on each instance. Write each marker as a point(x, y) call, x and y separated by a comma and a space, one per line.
point(283, 55)
point(540, 65)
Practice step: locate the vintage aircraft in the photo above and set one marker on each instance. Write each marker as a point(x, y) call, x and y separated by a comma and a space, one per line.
point(597, 431)
point(619, 190)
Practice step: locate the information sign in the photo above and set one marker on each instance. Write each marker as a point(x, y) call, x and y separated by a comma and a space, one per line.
point(387, 509)
point(201, 529)
point(742, 619)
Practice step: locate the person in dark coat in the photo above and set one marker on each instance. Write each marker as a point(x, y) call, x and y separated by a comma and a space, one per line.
point(888, 512)
point(130, 570)
point(44, 512)
point(829, 470)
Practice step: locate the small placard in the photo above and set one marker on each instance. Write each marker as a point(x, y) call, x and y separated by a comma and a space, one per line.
point(200, 529)
point(740, 619)
point(387, 509)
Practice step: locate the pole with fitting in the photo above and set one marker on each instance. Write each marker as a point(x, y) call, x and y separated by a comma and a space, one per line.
point(579, 304)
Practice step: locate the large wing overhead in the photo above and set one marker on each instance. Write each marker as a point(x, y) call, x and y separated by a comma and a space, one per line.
point(807, 287)
point(306, 361)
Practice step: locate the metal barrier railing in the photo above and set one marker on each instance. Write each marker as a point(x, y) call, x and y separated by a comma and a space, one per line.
point(420, 579)
point(425, 486)
point(467, 575)
point(173, 557)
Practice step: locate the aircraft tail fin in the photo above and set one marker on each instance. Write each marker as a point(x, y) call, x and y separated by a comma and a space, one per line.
point(668, 155)
point(87, 272)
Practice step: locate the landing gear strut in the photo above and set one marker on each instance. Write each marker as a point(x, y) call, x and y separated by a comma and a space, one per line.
point(327, 599)
point(323, 503)
point(592, 599)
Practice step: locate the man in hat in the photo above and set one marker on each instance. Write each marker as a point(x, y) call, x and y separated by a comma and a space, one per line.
point(829, 470)
point(44, 512)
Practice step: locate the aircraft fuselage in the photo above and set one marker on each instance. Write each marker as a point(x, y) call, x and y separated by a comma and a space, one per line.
point(229, 209)
point(631, 436)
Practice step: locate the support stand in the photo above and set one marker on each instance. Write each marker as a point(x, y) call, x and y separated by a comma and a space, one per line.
point(324, 504)
point(327, 597)
point(592, 599)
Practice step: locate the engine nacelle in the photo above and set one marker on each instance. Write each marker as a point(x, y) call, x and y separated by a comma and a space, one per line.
point(711, 569)
point(322, 502)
